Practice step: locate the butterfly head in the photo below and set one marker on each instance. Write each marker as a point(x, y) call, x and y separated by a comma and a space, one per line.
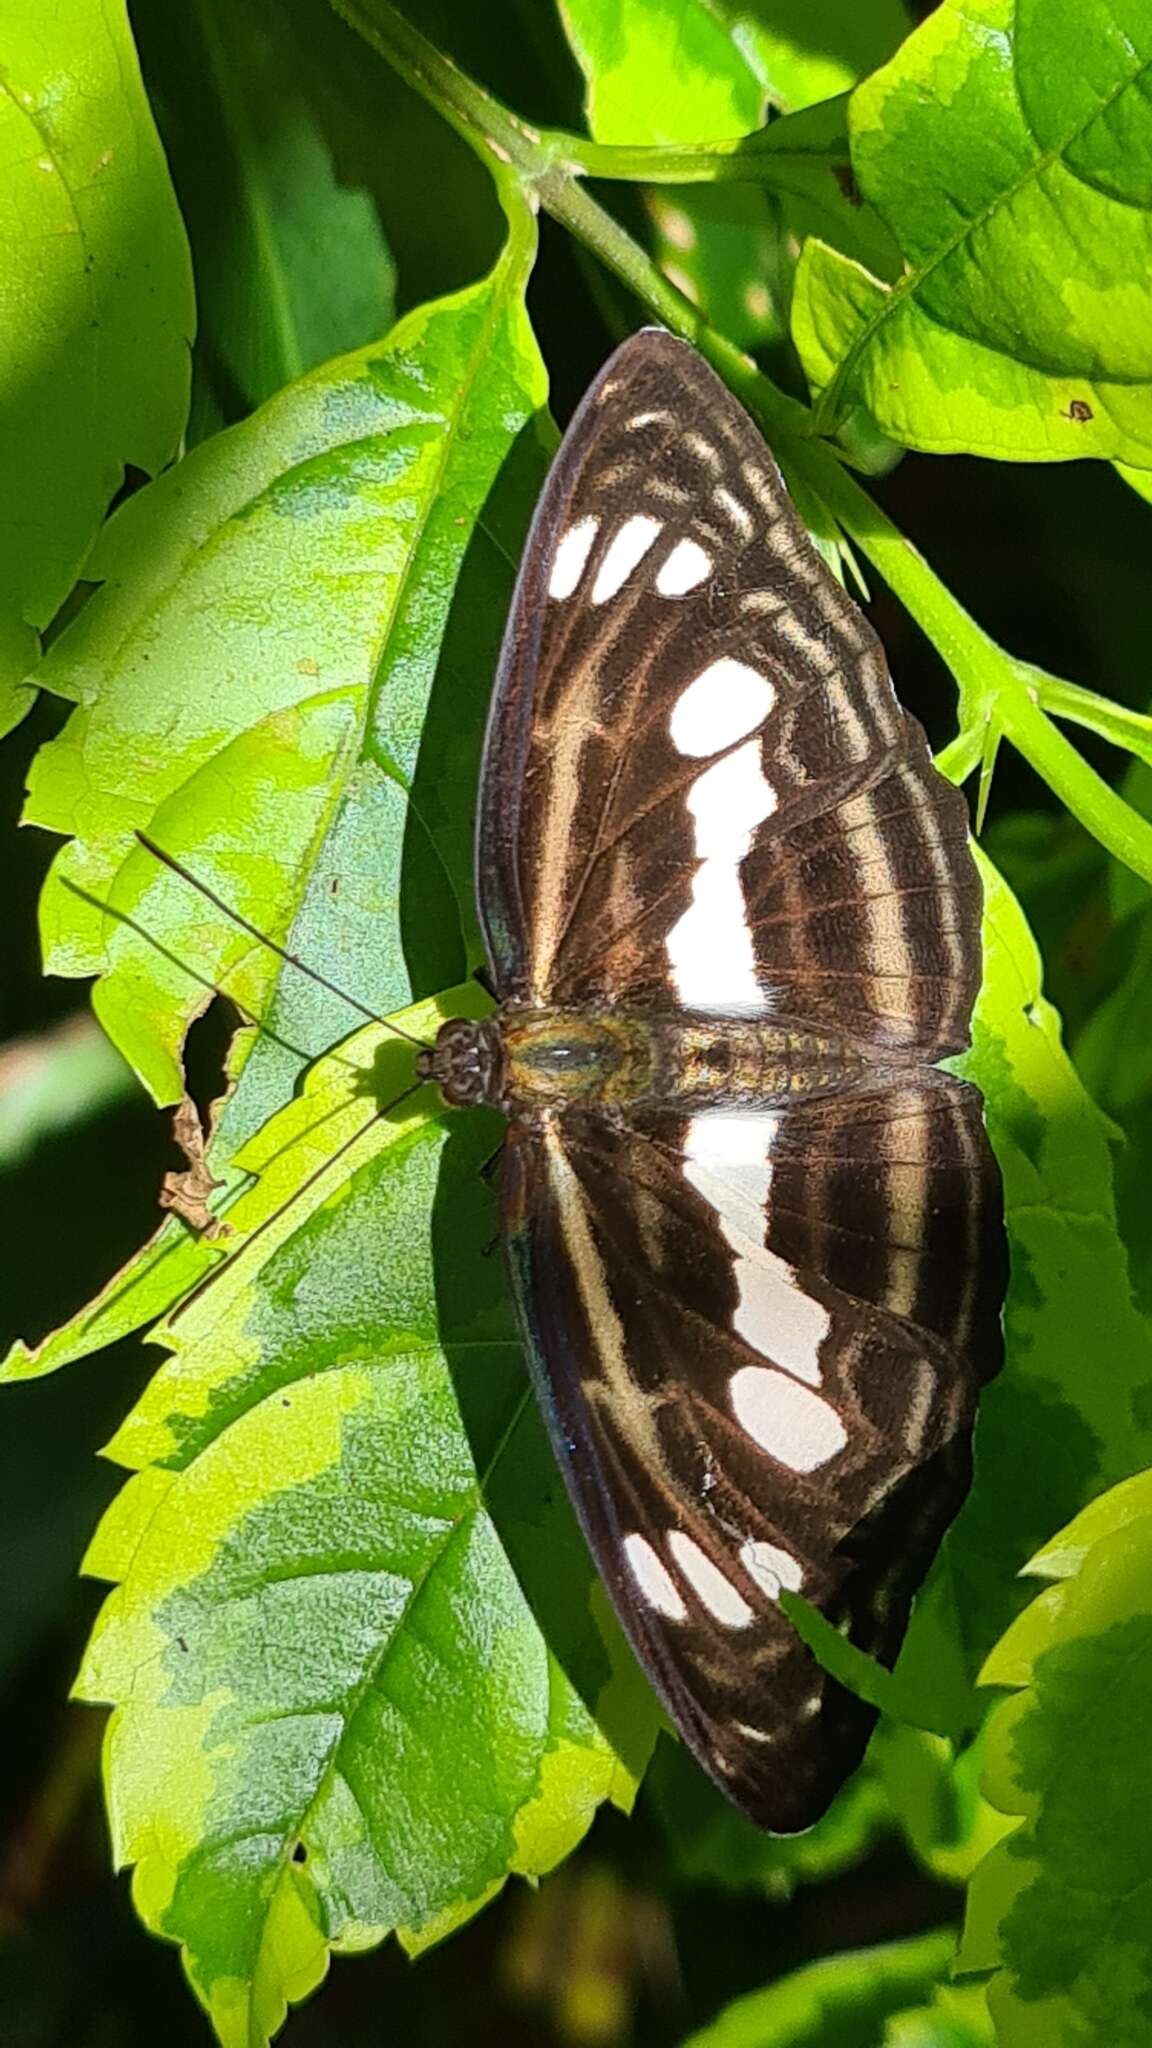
point(466, 1062)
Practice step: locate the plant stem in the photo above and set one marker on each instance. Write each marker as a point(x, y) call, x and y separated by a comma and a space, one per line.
point(1131, 730)
point(1119, 829)
point(499, 136)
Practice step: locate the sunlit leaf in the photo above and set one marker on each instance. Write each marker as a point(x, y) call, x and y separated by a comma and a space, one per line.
point(1140, 480)
point(840, 2002)
point(337, 1713)
point(957, 2017)
point(1008, 147)
point(1057, 1909)
point(253, 682)
point(683, 71)
point(701, 71)
point(97, 305)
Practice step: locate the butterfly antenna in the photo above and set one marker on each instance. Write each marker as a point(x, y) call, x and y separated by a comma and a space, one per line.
point(169, 860)
point(205, 981)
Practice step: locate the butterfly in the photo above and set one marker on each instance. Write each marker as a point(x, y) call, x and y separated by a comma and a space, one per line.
point(754, 1233)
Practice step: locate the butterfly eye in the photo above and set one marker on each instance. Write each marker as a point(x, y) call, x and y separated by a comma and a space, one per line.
point(466, 1062)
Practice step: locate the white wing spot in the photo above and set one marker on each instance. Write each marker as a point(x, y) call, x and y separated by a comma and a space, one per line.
point(655, 1582)
point(728, 802)
point(571, 555)
point(727, 700)
point(771, 1568)
point(789, 1421)
point(718, 1594)
point(626, 549)
point(729, 1162)
point(727, 1159)
point(778, 1319)
point(710, 948)
point(686, 566)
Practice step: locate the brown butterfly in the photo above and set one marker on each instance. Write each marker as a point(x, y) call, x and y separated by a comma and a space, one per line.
point(754, 1233)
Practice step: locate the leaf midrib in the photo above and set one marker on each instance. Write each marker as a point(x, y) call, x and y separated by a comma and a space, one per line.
point(462, 1526)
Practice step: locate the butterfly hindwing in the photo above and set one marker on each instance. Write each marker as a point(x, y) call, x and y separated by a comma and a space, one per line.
point(741, 1419)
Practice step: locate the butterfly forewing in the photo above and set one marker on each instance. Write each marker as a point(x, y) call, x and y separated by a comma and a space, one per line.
point(759, 1312)
point(654, 726)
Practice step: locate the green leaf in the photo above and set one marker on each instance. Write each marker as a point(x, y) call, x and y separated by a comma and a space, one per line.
point(1008, 147)
point(1058, 1909)
point(98, 305)
point(1066, 1553)
point(254, 679)
point(336, 1710)
point(1113, 1052)
point(1069, 1306)
point(841, 2002)
point(682, 72)
point(1139, 480)
point(662, 71)
point(902, 1695)
point(402, 477)
point(958, 2017)
point(54, 1083)
point(291, 263)
point(934, 1795)
point(691, 71)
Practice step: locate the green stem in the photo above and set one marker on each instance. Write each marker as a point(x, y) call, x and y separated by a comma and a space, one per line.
point(1131, 730)
point(1119, 829)
point(961, 757)
point(812, 138)
point(489, 127)
point(601, 232)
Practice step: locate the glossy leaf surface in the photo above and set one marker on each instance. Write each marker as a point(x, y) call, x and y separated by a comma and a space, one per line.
point(96, 301)
point(1008, 147)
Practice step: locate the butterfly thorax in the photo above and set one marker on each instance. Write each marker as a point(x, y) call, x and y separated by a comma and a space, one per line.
point(530, 1061)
